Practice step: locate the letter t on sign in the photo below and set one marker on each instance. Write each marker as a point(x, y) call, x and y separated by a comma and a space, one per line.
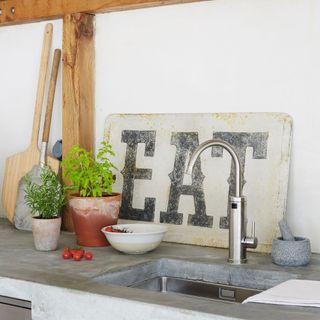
point(130, 172)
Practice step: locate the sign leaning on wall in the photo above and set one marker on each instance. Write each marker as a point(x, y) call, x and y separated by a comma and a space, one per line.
point(152, 151)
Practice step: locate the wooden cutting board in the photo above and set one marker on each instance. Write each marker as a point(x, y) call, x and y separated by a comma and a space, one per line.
point(18, 165)
point(151, 154)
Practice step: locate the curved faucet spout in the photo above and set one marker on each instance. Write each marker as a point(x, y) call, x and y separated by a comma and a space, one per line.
point(226, 146)
point(238, 239)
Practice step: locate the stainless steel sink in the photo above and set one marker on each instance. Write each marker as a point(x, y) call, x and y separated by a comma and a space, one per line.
point(203, 289)
point(219, 281)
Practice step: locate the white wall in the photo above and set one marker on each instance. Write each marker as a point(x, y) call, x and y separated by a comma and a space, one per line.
point(217, 56)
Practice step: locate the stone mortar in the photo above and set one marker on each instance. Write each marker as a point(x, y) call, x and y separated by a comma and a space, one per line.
point(291, 253)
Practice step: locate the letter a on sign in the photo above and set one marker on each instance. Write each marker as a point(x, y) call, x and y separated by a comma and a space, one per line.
point(186, 142)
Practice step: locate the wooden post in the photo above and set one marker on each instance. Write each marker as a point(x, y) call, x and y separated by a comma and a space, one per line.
point(78, 61)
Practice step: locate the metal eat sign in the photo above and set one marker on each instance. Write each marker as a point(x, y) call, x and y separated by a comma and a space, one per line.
point(152, 152)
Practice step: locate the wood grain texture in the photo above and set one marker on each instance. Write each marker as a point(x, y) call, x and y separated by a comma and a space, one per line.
point(19, 164)
point(78, 60)
point(35, 10)
point(46, 47)
point(51, 94)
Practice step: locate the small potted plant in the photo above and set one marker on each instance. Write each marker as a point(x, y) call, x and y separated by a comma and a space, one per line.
point(45, 201)
point(93, 205)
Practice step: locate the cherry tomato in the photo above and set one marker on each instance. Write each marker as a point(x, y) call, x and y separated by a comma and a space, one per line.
point(66, 249)
point(66, 255)
point(112, 229)
point(88, 255)
point(77, 257)
point(76, 251)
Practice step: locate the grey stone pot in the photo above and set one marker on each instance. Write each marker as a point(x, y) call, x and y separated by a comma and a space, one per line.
point(46, 233)
point(291, 253)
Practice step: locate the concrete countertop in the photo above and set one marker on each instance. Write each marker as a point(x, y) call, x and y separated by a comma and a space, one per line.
point(63, 289)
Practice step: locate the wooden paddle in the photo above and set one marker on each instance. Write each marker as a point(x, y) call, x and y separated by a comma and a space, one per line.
point(19, 164)
point(22, 215)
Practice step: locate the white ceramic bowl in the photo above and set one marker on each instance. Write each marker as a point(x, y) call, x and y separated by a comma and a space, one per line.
point(140, 238)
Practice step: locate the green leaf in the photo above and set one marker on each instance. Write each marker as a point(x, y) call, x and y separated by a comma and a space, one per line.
point(47, 198)
point(88, 176)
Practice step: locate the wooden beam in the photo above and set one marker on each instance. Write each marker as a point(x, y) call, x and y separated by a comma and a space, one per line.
point(78, 60)
point(22, 11)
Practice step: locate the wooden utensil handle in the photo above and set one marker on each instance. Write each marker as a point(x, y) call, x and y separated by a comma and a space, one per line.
point(52, 90)
point(41, 82)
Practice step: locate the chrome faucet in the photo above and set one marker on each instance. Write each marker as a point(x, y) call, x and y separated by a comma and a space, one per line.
point(238, 240)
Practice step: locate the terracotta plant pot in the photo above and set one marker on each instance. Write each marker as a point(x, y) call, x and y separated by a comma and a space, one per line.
point(90, 214)
point(46, 233)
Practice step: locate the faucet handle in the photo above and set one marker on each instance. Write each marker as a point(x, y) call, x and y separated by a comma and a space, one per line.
point(252, 241)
